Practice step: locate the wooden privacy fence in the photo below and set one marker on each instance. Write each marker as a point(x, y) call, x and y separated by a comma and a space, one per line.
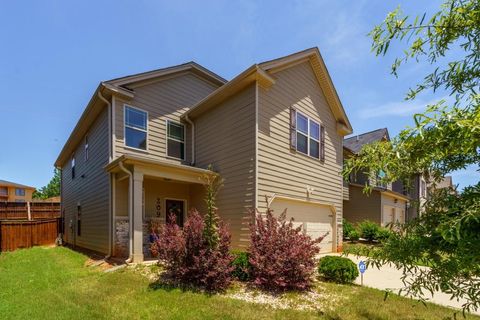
point(25, 234)
point(29, 210)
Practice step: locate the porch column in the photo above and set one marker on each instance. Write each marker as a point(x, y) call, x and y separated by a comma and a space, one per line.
point(137, 216)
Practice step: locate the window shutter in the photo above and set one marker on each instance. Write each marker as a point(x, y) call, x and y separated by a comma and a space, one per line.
point(322, 143)
point(293, 129)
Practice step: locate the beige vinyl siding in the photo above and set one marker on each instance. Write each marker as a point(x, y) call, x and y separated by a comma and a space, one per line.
point(361, 206)
point(282, 171)
point(90, 189)
point(165, 99)
point(225, 138)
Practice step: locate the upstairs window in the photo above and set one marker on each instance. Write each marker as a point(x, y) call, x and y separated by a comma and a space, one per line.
point(3, 191)
point(175, 140)
point(307, 135)
point(73, 166)
point(86, 148)
point(20, 192)
point(135, 128)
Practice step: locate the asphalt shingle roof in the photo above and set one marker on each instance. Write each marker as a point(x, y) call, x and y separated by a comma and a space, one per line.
point(355, 143)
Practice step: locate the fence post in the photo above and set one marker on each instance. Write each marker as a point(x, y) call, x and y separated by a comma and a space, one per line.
point(28, 211)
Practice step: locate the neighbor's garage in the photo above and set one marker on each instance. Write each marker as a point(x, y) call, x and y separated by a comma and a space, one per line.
point(317, 219)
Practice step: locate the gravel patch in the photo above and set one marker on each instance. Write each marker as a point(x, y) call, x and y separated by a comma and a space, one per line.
point(315, 300)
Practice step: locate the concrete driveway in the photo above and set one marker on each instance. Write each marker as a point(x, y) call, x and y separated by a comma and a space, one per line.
point(389, 278)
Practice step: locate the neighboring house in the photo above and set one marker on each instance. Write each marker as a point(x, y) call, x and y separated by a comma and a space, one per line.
point(15, 192)
point(139, 150)
point(420, 190)
point(386, 203)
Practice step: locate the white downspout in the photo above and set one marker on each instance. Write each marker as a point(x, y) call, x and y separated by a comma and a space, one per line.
point(110, 221)
point(110, 147)
point(130, 211)
point(192, 162)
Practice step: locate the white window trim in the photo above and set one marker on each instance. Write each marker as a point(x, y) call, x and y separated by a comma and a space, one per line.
point(86, 148)
point(73, 165)
point(184, 140)
point(185, 206)
point(308, 135)
point(125, 106)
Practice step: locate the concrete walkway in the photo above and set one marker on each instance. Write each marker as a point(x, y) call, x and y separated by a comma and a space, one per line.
point(389, 278)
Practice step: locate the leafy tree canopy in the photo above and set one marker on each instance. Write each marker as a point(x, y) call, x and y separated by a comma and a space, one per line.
point(445, 138)
point(52, 189)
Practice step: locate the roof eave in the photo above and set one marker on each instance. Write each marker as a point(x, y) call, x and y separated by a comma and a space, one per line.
point(82, 123)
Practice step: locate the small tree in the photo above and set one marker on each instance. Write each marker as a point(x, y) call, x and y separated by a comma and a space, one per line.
point(281, 256)
point(445, 138)
point(52, 189)
point(212, 182)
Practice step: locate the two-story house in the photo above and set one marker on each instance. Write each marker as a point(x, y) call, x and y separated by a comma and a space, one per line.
point(15, 192)
point(138, 152)
point(386, 203)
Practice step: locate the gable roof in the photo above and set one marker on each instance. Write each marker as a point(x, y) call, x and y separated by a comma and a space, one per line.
point(5, 183)
point(355, 143)
point(119, 87)
point(188, 66)
point(262, 72)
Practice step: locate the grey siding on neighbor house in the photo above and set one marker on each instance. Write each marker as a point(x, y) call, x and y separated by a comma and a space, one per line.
point(225, 138)
point(363, 207)
point(281, 170)
point(90, 189)
point(165, 98)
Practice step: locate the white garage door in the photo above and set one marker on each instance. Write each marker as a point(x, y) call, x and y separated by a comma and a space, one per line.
point(316, 219)
point(393, 214)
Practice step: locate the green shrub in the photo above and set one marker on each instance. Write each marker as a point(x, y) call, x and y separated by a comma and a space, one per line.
point(368, 230)
point(347, 228)
point(241, 265)
point(337, 269)
point(354, 235)
point(383, 234)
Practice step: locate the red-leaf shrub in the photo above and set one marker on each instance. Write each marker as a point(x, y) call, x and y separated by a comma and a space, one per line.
point(189, 259)
point(282, 257)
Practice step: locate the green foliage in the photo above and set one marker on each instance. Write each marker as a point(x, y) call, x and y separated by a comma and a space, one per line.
point(241, 265)
point(445, 138)
point(337, 269)
point(212, 182)
point(354, 235)
point(347, 228)
point(368, 230)
point(383, 234)
point(52, 189)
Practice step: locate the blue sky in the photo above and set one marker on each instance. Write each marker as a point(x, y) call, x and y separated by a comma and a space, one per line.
point(54, 54)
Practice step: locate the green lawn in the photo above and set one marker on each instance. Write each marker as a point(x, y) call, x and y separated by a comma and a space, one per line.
point(53, 283)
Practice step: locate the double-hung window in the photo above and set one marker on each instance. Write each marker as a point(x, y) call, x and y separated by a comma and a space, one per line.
point(307, 135)
point(136, 128)
point(20, 192)
point(175, 140)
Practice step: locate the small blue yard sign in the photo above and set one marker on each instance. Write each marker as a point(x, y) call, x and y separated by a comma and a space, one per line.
point(362, 266)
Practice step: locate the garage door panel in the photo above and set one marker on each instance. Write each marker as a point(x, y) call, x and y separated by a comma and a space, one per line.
point(316, 219)
point(317, 230)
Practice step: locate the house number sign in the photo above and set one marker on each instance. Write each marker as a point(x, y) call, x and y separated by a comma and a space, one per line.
point(158, 208)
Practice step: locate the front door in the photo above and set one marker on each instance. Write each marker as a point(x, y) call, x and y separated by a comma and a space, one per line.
point(175, 207)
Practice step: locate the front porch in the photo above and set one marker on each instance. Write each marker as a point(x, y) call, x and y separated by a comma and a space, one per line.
point(144, 194)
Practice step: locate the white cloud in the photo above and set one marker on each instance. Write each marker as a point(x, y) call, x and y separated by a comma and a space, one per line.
point(397, 108)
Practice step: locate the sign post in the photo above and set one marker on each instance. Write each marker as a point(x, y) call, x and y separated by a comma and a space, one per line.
point(362, 267)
